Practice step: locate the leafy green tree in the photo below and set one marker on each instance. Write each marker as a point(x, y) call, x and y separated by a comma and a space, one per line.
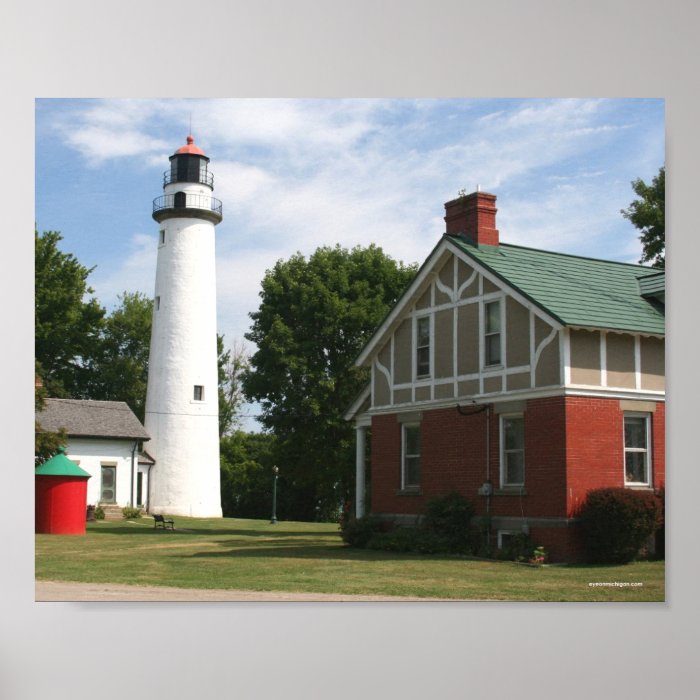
point(246, 476)
point(45, 443)
point(648, 214)
point(67, 326)
point(121, 371)
point(313, 320)
point(232, 364)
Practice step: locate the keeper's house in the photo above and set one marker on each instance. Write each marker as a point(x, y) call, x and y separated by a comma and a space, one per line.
point(520, 378)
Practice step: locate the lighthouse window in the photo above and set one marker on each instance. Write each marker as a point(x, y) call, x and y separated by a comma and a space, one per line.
point(162, 236)
point(157, 303)
point(198, 392)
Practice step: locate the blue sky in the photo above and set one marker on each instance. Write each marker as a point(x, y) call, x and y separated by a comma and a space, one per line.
point(296, 174)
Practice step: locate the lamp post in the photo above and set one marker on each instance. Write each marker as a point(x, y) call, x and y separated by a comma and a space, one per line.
point(275, 471)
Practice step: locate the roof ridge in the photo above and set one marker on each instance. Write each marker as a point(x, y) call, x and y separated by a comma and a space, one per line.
point(566, 255)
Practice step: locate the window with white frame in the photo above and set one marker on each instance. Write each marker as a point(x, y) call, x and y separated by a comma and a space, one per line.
point(512, 450)
point(198, 392)
point(637, 462)
point(423, 346)
point(492, 333)
point(161, 239)
point(410, 456)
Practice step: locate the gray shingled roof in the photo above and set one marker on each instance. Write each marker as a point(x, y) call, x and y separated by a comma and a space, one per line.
point(112, 419)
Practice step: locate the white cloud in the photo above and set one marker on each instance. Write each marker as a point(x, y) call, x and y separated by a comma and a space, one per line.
point(99, 143)
point(297, 174)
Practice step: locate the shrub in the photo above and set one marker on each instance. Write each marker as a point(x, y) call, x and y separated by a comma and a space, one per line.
point(660, 544)
point(358, 531)
point(129, 513)
point(450, 517)
point(99, 513)
point(616, 523)
point(410, 539)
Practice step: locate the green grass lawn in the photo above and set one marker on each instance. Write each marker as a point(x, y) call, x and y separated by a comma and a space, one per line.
point(311, 557)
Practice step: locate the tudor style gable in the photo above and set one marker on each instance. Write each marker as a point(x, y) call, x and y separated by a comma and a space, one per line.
point(486, 321)
point(462, 334)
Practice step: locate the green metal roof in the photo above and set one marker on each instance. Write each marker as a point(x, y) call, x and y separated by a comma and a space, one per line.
point(574, 290)
point(60, 465)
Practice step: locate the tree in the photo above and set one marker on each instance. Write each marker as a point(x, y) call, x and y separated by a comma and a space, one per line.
point(45, 443)
point(121, 370)
point(246, 475)
point(232, 364)
point(314, 318)
point(648, 215)
point(67, 326)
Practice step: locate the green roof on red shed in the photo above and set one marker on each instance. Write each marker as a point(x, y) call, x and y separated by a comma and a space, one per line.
point(60, 465)
point(576, 291)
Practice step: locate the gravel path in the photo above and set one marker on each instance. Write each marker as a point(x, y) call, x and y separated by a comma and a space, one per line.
point(70, 591)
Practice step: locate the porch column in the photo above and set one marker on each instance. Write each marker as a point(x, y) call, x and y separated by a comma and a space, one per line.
point(360, 432)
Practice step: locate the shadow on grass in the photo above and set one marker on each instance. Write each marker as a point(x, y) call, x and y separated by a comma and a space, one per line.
point(274, 531)
point(323, 550)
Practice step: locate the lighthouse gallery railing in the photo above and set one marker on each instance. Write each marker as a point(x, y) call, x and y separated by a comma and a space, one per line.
point(186, 200)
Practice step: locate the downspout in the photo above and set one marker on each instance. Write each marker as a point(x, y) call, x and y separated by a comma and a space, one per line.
point(488, 458)
point(148, 488)
point(486, 488)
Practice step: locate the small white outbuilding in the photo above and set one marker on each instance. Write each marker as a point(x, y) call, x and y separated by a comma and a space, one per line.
point(105, 440)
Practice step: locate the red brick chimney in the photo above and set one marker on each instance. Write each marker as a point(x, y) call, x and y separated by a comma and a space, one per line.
point(473, 216)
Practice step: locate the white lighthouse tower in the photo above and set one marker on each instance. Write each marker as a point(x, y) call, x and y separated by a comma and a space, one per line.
point(182, 409)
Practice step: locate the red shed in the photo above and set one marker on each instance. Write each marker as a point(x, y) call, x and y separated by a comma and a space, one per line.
point(60, 487)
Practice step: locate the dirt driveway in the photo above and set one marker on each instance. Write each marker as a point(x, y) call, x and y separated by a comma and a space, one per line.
point(76, 592)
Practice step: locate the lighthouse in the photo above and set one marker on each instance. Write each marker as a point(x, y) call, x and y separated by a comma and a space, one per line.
point(182, 400)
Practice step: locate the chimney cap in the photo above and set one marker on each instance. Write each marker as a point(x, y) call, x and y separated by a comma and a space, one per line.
point(463, 197)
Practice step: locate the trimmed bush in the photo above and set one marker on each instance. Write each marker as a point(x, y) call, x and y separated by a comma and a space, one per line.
point(410, 539)
point(660, 544)
point(450, 517)
point(99, 513)
point(129, 513)
point(616, 523)
point(357, 532)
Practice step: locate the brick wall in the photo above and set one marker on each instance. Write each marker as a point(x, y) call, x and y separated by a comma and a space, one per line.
point(572, 445)
point(595, 449)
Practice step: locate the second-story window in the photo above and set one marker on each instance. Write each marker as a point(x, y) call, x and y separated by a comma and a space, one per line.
point(198, 392)
point(423, 346)
point(492, 332)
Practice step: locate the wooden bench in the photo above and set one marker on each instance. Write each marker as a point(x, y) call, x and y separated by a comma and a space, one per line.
point(163, 522)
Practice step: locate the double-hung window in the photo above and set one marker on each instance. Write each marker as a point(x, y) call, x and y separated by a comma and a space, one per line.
point(492, 333)
point(410, 456)
point(423, 346)
point(637, 462)
point(512, 450)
